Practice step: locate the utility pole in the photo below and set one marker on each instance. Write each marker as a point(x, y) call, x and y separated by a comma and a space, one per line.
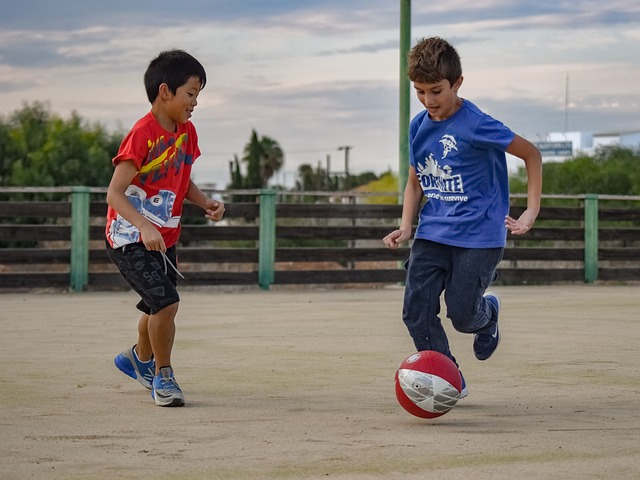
point(346, 149)
point(566, 104)
point(328, 174)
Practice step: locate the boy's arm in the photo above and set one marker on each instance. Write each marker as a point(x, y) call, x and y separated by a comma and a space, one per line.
point(116, 198)
point(411, 203)
point(214, 209)
point(525, 150)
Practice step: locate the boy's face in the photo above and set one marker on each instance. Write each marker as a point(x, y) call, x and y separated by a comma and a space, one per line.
point(440, 99)
point(179, 107)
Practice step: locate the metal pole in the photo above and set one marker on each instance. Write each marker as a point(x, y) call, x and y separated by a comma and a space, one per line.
point(267, 239)
point(590, 238)
point(79, 269)
point(405, 45)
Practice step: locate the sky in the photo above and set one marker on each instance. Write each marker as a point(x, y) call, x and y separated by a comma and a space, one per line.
point(316, 75)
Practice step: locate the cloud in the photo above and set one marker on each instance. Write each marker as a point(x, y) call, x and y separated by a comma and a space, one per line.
point(506, 14)
point(149, 14)
point(53, 48)
point(364, 48)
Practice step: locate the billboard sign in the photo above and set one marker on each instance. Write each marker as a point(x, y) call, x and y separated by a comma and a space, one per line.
point(555, 149)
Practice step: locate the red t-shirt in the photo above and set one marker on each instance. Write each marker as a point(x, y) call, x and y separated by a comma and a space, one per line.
point(164, 161)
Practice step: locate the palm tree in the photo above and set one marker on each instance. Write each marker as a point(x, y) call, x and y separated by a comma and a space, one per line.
point(271, 160)
point(263, 157)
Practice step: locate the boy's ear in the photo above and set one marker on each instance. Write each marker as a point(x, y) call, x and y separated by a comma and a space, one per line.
point(457, 84)
point(164, 91)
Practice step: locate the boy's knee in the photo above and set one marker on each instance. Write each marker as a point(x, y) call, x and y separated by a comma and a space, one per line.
point(462, 320)
point(168, 311)
point(463, 327)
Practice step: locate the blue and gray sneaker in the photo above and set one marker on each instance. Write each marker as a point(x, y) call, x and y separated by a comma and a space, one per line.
point(463, 391)
point(128, 363)
point(166, 392)
point(485, 343)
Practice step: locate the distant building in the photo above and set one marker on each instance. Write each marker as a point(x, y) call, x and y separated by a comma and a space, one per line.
point(556, 146)
point(623, 139)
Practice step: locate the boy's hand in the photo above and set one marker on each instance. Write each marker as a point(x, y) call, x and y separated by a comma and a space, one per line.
point(522, 225)
point(214, 210)
point(395, 238)
point(152, 239)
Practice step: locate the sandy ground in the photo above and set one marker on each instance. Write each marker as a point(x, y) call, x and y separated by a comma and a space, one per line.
point(298, 384)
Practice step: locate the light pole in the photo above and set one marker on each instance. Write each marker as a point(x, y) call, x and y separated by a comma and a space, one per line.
point(405, 87)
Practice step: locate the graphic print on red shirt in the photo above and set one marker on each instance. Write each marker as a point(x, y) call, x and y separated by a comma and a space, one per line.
point(164, 161)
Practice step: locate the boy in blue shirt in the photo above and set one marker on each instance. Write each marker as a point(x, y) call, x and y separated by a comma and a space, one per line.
point(458, 162)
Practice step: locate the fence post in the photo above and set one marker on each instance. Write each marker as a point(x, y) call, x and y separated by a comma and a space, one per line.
point(590, 238)
point(267, 238)
point(79, 271)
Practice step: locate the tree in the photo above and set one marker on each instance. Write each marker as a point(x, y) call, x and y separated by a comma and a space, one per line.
point(252, 157)
point(271, 160)
point(21, 135)
point(612, 170)
point(263, 157)
point(38, 148)
point(318, 179)
point(237, 182)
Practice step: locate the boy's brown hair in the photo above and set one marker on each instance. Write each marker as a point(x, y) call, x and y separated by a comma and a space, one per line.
point(432, 60)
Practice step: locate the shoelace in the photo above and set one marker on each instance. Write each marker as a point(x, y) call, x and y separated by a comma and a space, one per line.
point(167, 261)
point(169, 384)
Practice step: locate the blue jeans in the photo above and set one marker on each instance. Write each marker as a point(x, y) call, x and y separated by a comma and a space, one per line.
point(464, 275)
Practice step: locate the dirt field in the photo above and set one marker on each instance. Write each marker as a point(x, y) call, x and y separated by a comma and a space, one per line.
point(299, 385)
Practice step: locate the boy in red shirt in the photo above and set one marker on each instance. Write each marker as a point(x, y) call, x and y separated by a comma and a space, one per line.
point(151, 179)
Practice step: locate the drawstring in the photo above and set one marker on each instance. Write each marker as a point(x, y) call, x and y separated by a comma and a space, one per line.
point(167, 261)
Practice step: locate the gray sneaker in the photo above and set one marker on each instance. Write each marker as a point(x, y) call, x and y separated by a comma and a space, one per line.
point(166, 392)
point(128, 363)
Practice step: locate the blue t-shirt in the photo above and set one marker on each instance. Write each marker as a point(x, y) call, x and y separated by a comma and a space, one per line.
point(462, 169)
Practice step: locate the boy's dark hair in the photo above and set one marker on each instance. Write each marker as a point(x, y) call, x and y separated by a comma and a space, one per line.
point(432, 60)
point(173, 67)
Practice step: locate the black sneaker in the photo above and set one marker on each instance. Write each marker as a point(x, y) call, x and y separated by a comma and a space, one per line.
point(484, 344)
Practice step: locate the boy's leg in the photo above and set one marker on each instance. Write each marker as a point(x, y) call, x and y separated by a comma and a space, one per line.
point(426, 274)
point(143, 347)
point(137, 361)
point(155, 281)
point(161, 333)
point(473, 271)
point(162, 329)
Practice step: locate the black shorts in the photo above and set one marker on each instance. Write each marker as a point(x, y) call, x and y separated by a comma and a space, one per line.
point(148, 274)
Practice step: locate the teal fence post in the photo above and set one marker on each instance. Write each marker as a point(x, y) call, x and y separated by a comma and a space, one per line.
point(267, 238)
point(79, 271)
point(590, 238)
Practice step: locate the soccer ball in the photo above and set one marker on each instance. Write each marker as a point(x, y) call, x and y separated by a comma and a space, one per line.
point(428, 384)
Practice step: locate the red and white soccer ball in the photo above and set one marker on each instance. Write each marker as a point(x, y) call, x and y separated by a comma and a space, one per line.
point(428, 384)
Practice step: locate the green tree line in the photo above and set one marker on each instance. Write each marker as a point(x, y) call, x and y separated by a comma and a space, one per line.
point(611, 170)
point(39, 148)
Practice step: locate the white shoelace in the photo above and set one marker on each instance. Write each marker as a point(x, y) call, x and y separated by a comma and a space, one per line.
point(167, 261)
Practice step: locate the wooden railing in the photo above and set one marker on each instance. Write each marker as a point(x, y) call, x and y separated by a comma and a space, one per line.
point(54, 238)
